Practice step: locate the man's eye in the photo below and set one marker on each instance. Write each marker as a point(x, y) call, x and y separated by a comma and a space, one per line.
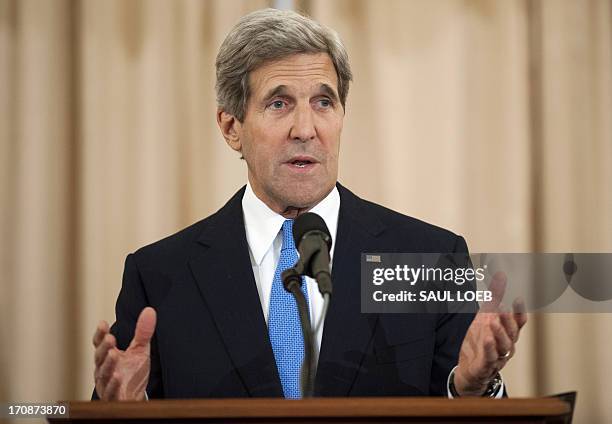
point(278, 104)
point(325, 103)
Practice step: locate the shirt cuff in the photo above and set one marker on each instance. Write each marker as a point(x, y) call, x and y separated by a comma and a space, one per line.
point(498, 395)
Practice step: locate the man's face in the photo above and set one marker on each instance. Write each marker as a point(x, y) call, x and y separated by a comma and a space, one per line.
point(290, 137)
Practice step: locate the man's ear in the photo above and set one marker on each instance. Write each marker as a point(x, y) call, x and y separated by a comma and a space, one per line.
point(230, 128)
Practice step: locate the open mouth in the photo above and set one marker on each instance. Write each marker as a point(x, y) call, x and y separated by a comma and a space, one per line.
point(301, 163)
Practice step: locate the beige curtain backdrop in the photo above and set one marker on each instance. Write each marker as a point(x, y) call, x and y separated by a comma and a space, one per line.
point(491, 118)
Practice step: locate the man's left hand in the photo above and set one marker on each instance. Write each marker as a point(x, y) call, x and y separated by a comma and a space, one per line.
point(489, 342)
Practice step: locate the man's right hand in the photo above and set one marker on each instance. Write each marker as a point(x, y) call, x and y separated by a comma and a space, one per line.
point(123, 375)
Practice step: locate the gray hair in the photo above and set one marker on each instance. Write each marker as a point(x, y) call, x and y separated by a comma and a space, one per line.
point(271, 34)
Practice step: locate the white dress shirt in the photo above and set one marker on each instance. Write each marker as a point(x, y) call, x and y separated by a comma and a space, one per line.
point(264, 236)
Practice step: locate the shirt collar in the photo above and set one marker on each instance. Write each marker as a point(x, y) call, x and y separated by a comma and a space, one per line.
point(262, 224)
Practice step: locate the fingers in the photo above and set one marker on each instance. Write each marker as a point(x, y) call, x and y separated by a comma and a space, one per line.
point(496, 338)
point(145, 327)
point(491, 336)
point(510, 325)
point(497, 288)
point(112, 365)
point(104, 375)
point(101, 330)
point(489, 350)
point(112, 389)
point(106, 370)
point(503, 342)
point(107, 343)
point(520, 314)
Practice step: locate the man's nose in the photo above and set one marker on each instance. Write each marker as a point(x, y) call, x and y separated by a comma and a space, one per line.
point(303, 128)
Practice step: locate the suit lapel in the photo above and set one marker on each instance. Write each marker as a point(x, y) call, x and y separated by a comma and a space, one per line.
point(225, 278)
point(347, 332)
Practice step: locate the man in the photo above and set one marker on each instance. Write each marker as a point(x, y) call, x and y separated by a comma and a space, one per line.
point(201, 313)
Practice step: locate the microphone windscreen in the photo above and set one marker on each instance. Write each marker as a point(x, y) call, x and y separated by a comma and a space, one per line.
point(310, 222)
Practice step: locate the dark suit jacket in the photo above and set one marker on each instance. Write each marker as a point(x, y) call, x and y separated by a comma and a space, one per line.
point(211, 338)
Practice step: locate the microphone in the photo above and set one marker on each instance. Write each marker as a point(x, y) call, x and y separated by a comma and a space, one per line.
point(313, 241)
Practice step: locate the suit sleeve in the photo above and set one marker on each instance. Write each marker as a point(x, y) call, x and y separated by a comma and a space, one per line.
point(131, 301)
point(450, 331)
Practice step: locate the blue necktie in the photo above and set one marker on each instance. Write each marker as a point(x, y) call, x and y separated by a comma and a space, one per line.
point(284, 321)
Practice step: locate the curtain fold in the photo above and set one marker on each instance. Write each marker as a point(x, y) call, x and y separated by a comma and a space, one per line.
point(36, 226)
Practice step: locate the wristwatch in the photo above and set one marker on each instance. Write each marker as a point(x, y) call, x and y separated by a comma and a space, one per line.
point(492, 389)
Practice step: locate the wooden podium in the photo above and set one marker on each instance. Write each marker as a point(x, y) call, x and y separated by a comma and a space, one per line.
point(323, 410)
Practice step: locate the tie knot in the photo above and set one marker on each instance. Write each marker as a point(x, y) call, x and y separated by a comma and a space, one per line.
point(288, 242)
